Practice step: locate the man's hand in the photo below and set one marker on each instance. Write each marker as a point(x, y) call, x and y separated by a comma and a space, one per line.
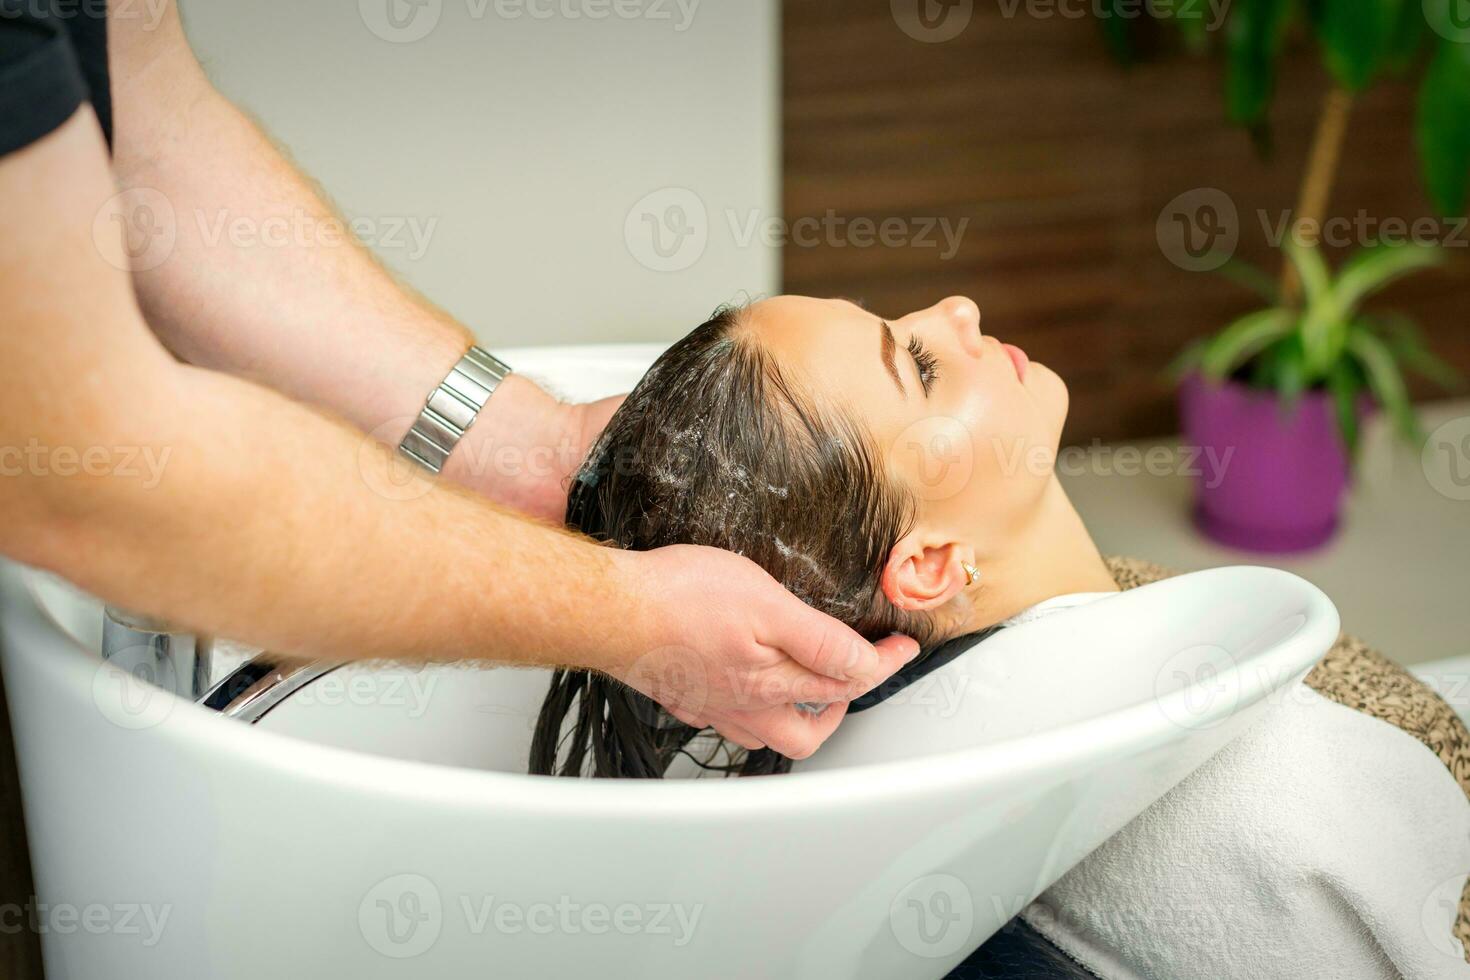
point(720, 643)
point(526, 446)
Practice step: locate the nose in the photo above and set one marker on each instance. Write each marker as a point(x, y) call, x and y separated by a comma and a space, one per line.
point(963, 315)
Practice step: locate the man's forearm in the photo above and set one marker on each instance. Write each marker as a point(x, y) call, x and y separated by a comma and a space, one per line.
point(262, 279)
point(275, 525)
point(259, 519)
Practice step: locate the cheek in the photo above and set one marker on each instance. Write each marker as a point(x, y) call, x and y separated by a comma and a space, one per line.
point(1014, 435)
point(987, 451)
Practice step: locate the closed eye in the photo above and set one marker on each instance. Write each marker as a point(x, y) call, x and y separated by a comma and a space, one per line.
point(925, 362)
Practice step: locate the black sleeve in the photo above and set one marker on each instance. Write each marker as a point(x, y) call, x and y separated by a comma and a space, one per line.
point(53, 57)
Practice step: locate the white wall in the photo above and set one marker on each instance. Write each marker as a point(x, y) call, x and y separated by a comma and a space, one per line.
point(518, 145)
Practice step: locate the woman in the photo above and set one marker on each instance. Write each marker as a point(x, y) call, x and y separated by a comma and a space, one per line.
point(898, 474)
point(895, 474)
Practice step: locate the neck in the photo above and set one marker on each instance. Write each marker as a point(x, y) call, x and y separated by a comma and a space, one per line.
point(1052, 555)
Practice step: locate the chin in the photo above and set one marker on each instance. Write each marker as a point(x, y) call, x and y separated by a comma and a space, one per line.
point(1050, 391)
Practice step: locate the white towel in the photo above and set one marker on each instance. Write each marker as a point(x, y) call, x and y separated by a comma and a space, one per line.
point(1321, 843)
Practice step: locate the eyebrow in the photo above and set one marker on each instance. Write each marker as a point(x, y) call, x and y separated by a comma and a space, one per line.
point(887, 345)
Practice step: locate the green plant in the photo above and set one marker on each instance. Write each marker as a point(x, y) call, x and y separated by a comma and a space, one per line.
point(1324, 339)
point(1361, 41)
point(1313, 334)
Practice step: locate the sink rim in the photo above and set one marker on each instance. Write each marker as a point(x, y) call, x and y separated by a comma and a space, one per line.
point(1060, 751)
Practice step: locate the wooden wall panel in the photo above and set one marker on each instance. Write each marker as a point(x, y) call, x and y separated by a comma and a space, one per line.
point(1062, 161)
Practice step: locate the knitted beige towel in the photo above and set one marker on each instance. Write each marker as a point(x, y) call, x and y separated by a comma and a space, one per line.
point(1360, 678)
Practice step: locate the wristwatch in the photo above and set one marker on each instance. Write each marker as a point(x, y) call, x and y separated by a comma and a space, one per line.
point(452, 408)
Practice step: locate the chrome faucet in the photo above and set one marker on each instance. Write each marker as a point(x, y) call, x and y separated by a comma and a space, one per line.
point(155, 652)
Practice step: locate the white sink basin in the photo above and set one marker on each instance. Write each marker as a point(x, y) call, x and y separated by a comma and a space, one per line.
point(389, 833)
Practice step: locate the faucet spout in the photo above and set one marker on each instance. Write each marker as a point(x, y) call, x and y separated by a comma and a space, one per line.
point(158, 653)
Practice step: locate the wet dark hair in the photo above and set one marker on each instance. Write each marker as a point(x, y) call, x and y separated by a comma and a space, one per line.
point(717, 446)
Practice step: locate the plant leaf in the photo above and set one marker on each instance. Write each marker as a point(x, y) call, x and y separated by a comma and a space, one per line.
point(1263, 368)
point(1117, 31)
point(1187, 361)
point(1291, 376)
point(1322, 329)
point(1316, 277)
point(1253, 39)
point(1403, 338)
point(1324, 336)
point(1442, 127)
point(1357, 36)
point(1190, 17)
point(1371, 269)
point(1386, 382)
point(1408, 37)
point(1244, 338)
point(1252, 277)
point(1344, 384)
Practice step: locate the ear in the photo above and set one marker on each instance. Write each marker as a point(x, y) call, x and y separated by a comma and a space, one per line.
point(923, 575)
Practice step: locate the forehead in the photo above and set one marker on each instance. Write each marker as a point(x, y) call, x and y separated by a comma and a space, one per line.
point(807, 334)
point(831, 347)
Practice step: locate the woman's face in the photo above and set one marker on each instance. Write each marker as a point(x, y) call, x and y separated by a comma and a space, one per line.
point(965, 421)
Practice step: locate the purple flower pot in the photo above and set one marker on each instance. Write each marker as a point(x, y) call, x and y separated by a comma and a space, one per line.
point(1278, 476)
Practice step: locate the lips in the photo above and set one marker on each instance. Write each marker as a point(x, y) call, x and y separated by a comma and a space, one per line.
point(1018, 358)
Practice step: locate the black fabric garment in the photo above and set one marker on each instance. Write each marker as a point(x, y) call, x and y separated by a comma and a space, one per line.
point(914, 669)
point(1019, 952)
point(53, 57)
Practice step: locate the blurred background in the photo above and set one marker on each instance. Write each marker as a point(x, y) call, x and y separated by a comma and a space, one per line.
point(516, 136)
point(576, 171)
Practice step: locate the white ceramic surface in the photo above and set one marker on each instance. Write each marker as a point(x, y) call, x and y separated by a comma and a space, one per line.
point(362, 830)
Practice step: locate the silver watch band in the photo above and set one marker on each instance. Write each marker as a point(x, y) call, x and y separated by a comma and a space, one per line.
point(452, 407)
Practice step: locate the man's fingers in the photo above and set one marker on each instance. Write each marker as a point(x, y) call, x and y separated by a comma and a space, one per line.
point(789, 682)
point(786, 683)
point(690, 718)
point(827, 647)
point(737, 733)
point(893, 653)
point(792, 732)
point(822, 644)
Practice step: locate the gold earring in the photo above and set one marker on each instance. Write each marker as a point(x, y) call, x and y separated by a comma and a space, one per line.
point(972, 574)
